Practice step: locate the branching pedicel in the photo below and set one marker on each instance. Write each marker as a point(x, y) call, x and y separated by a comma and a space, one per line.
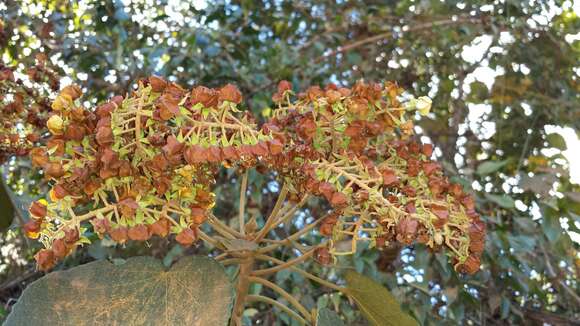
point(144, 165)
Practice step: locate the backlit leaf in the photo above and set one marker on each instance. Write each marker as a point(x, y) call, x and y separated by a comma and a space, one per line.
point(195, 291)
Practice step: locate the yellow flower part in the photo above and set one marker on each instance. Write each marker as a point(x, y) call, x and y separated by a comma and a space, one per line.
point(55, 124)
point(62, 101)
point(424, 105)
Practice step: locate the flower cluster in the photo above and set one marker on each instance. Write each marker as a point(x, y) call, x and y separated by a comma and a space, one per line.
point(353, 147)
point(23, 109)
point(139, 166)
point(144, 165)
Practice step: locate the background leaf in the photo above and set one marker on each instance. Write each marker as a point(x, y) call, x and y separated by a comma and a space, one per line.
point(327, 317)
point(195, 291)
point(488, 167)
point(375, 301)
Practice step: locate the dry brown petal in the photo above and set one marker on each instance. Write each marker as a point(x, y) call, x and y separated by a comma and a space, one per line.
point(327, 190)
point(214, 154)
point(389, 177)
point(198, 215)
point(322, 256)
point(161, 227)
point(230, 153)
point(158, 84)
point(338, 200)
point(37, 210)
point(104, 136)
point(57, 145)
point(53, 169)
point(45, 259)
point(431, 167)
point(471, 265)
point(59, 192)
point(73, 91)
point(333, 96)
point(38, 156)
point(119, 234)
point(101, 225)
point(196, 154)
point(31, 228)
point(173, 146)
point(125, 170)
point(74, 132)
point(326, 229)
point(91, 186)
point(276, 146)
point(71, 236)
point(186, 237)
point(284, 86)
point(206, 96)
point(306, 128)
point(104, 110)
point(427, 150)
point(139, 233)
point(59, 248)
point(128, 207)
point(230, 93)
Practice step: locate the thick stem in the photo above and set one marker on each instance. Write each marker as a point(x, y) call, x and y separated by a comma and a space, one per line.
point(243, 190)
point(242, 287)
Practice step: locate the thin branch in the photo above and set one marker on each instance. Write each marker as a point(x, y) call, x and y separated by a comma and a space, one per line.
point(273, 215)
point(290, 312)
point(288, 264)
point(303, 273)
point(282, 293)
point(243, 190)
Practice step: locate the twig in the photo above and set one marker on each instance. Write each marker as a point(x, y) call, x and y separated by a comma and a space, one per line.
point(282, 293)
point(274, 214)
point(243, 190)
point(275, 303)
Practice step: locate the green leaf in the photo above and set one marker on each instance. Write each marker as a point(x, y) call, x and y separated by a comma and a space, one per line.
point(195, 291)
point(327, 317)
point(375, 302)
point(504, 201)
point(6, 206)
point(488, 167)
point(557, 141)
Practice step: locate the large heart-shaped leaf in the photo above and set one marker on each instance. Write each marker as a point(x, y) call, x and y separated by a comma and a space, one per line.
point(376, 302)
point(195, 291)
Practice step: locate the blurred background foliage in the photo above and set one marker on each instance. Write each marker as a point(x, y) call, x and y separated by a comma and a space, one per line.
point(503, 76)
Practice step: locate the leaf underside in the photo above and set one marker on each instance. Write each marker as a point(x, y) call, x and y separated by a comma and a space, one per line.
point(195, 291)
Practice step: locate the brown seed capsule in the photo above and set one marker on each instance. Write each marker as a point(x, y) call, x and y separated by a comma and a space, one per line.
point(206, 96)
point(119, 234)
point(338, 200)
point(186, 237)
point(161, 227)
point(38, 156)
point(45, 259)
point(158, 84)
point(198, 215)
point(37, 210)
point(323, 256)
point(53, 169)
point(32, 228)
point(59, 248)
point(73, 91)
point(284, 86)
point(104, 136)
point(71, 236)
point(230, 93)
point(326, 229)
point(139, 233)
